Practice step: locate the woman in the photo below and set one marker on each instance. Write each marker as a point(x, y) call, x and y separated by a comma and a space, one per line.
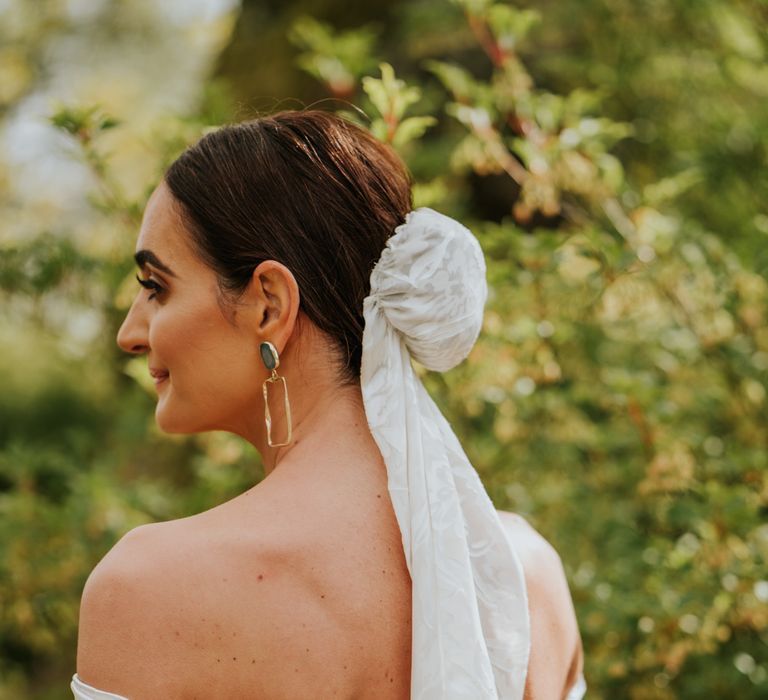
point(287, 283)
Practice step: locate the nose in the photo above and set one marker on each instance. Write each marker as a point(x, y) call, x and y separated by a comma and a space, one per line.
point(133, 335)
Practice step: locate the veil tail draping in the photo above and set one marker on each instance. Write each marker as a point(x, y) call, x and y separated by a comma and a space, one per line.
point(470, 621)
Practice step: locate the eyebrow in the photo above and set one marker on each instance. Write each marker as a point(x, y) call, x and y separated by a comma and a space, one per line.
point(143, 257)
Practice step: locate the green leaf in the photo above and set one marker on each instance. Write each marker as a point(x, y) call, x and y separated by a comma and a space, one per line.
point(83, 122)
point(377, 94)
point(511, 25)
point(455, 78)
point(412, 128)
point(672, 187)
point(335, 58)
point(390, 96)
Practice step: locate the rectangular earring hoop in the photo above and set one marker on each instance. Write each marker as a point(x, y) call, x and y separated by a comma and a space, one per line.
point(268, 416)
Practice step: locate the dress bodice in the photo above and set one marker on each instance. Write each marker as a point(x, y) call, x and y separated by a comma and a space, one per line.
point(83, 691)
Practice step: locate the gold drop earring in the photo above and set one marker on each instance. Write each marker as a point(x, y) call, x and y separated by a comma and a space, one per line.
point(271, 361)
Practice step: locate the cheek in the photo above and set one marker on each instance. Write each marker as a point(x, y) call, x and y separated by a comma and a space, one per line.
point(172, 337)
point(208, 359)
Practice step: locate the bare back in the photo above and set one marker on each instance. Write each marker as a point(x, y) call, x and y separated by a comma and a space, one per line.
point(333, 610)
point(279, 594)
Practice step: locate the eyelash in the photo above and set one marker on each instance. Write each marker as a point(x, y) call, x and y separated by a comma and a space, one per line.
point(150, 284)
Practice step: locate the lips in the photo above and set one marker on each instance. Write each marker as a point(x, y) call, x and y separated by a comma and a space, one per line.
point(158, 375)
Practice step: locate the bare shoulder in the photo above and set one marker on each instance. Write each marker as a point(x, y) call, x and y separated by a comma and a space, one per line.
point(529, 542)
point(126, 617)
point(556, 650)
point(139, 614)
point(209, 607)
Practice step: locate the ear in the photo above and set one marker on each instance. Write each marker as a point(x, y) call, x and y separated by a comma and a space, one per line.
point(275, 294)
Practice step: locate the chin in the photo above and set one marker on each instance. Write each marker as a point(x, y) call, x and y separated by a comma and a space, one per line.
point(172, 427)
point(175, 422)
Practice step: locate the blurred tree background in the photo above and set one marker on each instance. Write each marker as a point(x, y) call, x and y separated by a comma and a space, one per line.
point(611, 158)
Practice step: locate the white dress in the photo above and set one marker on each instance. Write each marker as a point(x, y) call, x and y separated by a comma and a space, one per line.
point(83, 691)
point(470, 621)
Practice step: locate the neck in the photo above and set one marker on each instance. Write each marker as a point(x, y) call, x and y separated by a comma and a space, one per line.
point(333, 425)
point(328, 420)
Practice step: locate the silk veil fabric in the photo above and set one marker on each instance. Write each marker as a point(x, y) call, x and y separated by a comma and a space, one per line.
point(470, 622)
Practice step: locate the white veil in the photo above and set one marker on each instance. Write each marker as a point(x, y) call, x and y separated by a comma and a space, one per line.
point(471, 629)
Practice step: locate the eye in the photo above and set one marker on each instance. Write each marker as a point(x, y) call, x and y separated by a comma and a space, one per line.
point(150, 284)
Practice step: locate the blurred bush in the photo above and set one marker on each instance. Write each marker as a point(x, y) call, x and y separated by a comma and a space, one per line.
point(609, 157)
point(617, 396)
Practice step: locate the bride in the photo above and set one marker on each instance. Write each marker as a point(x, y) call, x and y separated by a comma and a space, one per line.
point(286, 283)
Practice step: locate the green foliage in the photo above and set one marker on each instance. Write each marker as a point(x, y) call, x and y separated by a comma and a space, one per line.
point(391, 98)
point(617, 395)
point(83, 123)
point(609, 156)
point(338, 59)
point(34, 267)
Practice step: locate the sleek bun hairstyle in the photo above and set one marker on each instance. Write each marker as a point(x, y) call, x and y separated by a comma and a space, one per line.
point(306, 188)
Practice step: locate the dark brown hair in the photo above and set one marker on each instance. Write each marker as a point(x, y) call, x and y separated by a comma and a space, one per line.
point(306, 188)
